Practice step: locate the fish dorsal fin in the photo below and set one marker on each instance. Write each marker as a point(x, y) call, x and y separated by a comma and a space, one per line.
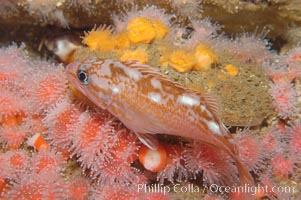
point(211, 100)
point(151, 71)
point(213, 103)
point(143, 68)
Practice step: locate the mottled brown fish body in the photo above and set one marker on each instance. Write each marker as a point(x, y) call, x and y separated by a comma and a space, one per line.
point(149, 103)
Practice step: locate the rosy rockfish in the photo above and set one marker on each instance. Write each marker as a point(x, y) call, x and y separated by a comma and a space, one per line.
point(149, 103)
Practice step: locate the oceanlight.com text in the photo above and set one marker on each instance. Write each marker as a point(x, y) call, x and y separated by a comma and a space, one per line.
point(246, 188)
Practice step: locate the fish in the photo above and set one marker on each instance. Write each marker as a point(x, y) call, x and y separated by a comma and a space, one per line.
point(149, 103)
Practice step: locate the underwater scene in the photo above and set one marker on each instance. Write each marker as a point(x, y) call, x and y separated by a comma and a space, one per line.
point(150, 100)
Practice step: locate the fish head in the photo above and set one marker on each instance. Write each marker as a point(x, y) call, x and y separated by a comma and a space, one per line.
point(89, 77)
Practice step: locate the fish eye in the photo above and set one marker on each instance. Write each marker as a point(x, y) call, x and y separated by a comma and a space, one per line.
point(82, 76)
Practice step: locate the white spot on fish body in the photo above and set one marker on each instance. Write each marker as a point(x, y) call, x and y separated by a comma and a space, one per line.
point(115, 90)
point(189, 100)
point(214, 127)
point(132, 73)
point(203, 108)
point(155, 97)
point(156, 84)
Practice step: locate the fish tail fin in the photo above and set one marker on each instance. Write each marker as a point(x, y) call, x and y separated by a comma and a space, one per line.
point(244, 175)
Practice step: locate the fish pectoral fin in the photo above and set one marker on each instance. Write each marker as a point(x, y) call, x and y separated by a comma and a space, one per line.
point(148, 140)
